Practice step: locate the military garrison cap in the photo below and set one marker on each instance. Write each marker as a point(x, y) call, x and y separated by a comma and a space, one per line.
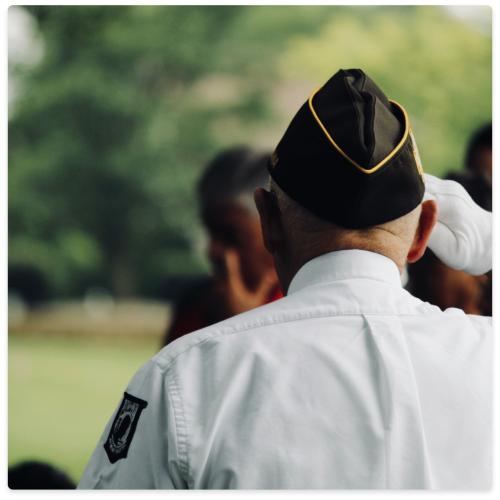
point(349, 155)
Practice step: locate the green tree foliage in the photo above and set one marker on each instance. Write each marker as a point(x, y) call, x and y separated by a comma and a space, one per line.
point(113, 127)
point(111, 132)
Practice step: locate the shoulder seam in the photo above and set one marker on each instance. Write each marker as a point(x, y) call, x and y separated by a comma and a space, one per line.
point(230, 330)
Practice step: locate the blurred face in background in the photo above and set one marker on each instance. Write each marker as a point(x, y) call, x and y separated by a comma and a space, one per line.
point(459, 289)
point(482, 162)
point(434, 282)
point(233, 227)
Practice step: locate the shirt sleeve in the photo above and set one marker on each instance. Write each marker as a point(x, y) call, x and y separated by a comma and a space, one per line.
point(462, 237)
point(141, 446)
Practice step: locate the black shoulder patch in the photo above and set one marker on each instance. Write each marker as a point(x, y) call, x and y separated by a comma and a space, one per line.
point(123, 428)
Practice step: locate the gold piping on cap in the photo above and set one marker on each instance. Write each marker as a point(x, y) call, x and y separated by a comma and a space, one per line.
point(381, 163)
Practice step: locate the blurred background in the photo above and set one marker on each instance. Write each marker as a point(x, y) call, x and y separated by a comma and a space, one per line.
point(114, 113)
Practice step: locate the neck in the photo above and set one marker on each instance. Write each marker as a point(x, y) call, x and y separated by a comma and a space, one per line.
point(288, 266)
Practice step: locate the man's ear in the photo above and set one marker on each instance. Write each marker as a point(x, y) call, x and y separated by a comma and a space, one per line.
point(426, 223)
point(270, 219)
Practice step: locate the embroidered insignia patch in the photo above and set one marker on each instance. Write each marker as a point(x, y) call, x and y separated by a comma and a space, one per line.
point(123, 428)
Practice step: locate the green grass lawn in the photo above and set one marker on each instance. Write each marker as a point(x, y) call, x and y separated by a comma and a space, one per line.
point(62, 392)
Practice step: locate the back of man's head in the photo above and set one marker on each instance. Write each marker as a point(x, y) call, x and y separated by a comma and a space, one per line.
point(346, 174)
point(306, 233)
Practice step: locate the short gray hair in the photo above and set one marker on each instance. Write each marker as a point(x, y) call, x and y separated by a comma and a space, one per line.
point(300, 221)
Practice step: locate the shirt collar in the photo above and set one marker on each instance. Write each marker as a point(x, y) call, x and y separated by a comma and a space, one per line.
point(346, 264)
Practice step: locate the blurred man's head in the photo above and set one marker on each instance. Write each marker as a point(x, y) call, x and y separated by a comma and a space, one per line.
point(432, 281)
point(35, 475)
point(478, 157)
point(345, 175)
point(228, 211)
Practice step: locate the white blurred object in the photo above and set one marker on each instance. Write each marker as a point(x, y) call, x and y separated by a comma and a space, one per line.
point(462, 238)
point(25, 46)
point(25, 43)
point(478, 17)
point(18, 309)
point(98, 303)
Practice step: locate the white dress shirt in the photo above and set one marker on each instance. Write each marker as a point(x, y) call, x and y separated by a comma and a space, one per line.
point(348, 382)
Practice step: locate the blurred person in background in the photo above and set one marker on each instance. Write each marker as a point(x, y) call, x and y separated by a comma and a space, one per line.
point(478, 175)
point(243, 275)
point(35, 475)
point(436, 283)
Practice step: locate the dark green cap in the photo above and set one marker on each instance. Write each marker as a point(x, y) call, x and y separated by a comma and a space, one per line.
point(349, 155)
